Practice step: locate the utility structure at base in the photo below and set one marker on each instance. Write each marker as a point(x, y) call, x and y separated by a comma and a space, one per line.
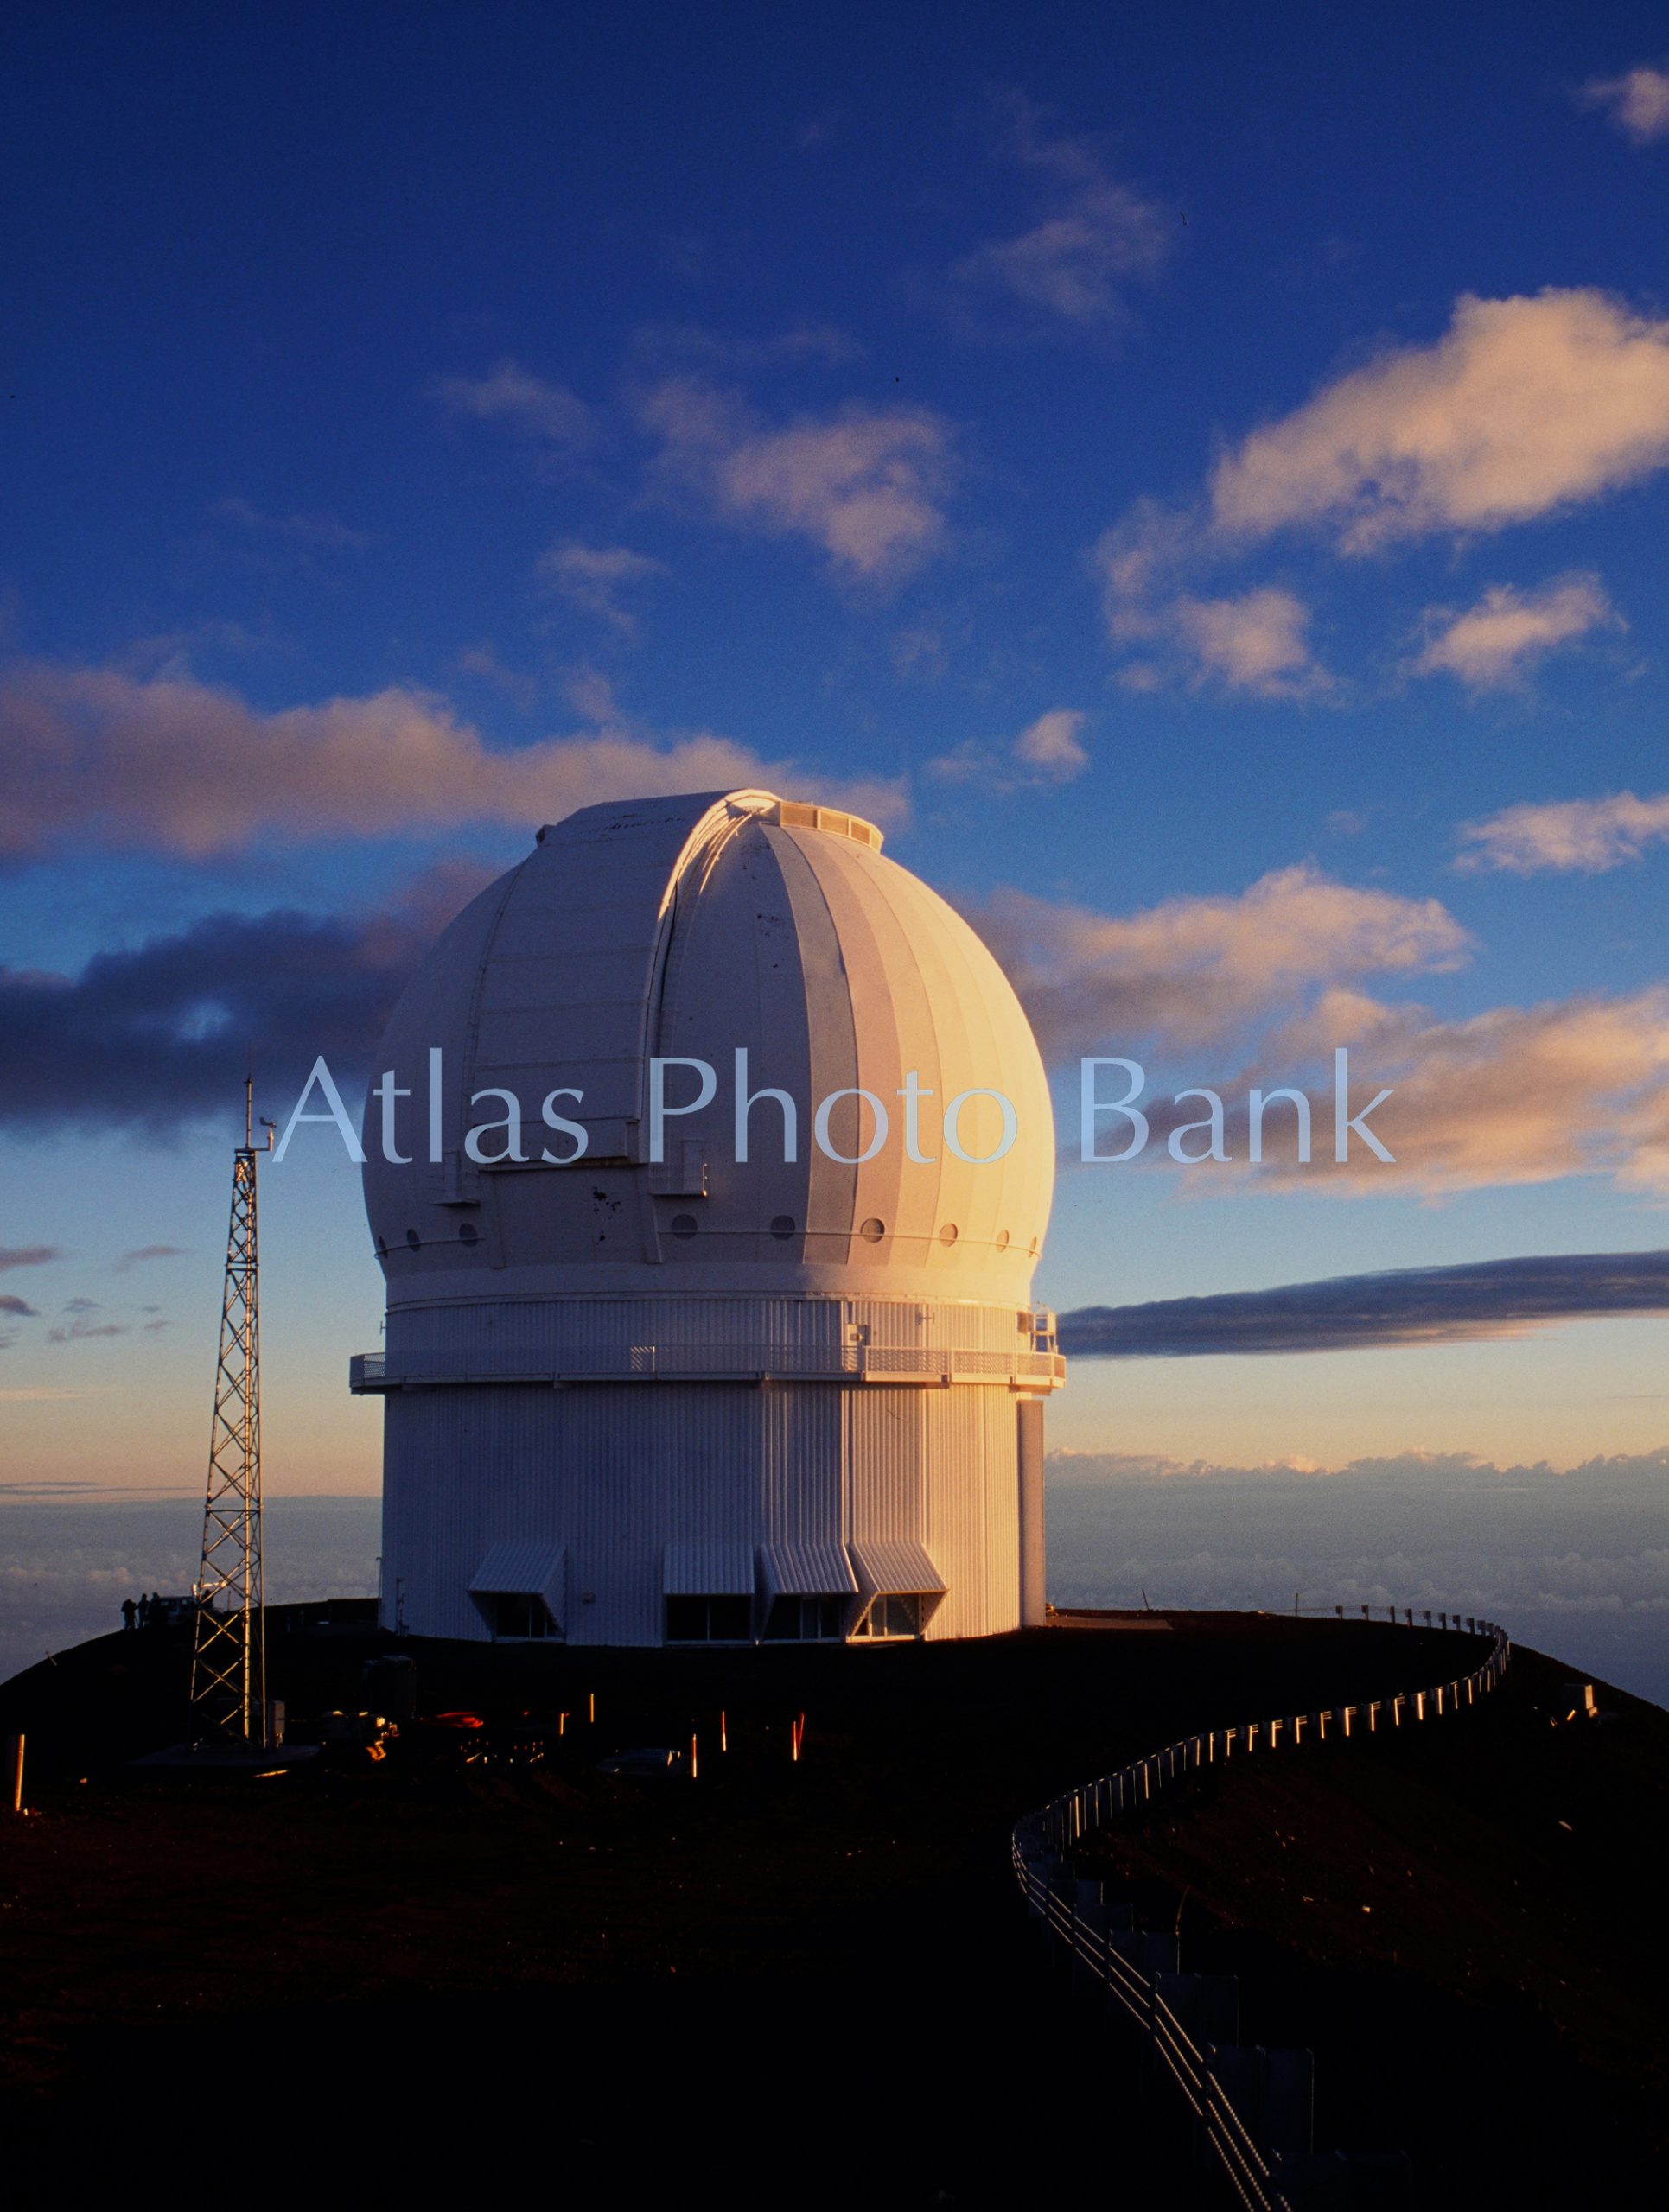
point(747, 1361)
point(228, 1657)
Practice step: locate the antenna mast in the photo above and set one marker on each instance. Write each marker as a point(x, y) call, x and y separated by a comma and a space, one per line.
point(228, 1659)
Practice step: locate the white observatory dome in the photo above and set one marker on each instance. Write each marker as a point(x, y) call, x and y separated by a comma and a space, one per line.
point(692, 928)
point(659, 1369)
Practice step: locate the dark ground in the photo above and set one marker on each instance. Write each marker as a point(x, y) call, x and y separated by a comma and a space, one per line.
point(816, 1978)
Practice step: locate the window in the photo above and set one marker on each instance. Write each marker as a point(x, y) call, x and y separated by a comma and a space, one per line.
point(805, 1620)
point(873, 1231)
point(467, 1232)
point(520, 1615)
point(683, 1224)
point(783, 1225)
point(892, 1617)
point(710, 1620)
point(413, 1240)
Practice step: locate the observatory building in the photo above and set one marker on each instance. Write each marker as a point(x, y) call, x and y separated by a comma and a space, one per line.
point(708, 1180)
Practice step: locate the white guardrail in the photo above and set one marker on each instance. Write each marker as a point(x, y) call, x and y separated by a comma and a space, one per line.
point(1135, 1968)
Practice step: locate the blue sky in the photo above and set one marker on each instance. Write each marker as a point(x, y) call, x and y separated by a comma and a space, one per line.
point(1196, 473)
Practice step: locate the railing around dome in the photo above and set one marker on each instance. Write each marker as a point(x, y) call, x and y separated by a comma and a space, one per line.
point(719, 1361)
point(1136, 1969)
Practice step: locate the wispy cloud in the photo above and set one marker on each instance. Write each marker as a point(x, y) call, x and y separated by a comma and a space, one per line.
point(19, 1308)
point(1048, 751)
point(1637, 102)
point(593, 576)
point(191, 768)
point(322, 531)
point(145, 1252)
point(1407, 1305)
point(1565, 836)
point(551, 416)
point(1621, 1476)
point(1067, 269)
point(28, 1255)
point(80, 1329)
point(1493, 645)
point(483, 661)
point(691, 344)
point(867, 485)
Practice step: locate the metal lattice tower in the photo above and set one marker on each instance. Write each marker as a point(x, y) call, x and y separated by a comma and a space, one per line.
point(228, 1659)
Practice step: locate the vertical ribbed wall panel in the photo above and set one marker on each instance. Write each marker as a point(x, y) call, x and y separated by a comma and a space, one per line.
point(1000, 1463)
point(801, 1464)
point(956, 1509)
point(881, 1451)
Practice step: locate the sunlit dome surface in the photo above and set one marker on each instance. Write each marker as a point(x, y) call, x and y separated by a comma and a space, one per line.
point(694, 927)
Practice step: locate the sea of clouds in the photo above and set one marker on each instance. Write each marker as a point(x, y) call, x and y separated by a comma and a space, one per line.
point(1576, 1562)
point(66, 1564)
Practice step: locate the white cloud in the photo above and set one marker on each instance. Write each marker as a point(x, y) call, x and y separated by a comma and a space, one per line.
point(1199, 971)
point(1491, 645)
point(97, 754)
point(1135, 558)
point(1515, 1095)
point(1047, 751)
point(1511, 1096)
point(1585, 835)
point(867, 485)
point(1637, 102)
point(548, 413)
point(592, 576)
point(1523, 406)
point(1254, 642)
point(1051, 745)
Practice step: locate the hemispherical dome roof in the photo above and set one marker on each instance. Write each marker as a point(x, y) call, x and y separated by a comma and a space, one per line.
point(700, 929)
